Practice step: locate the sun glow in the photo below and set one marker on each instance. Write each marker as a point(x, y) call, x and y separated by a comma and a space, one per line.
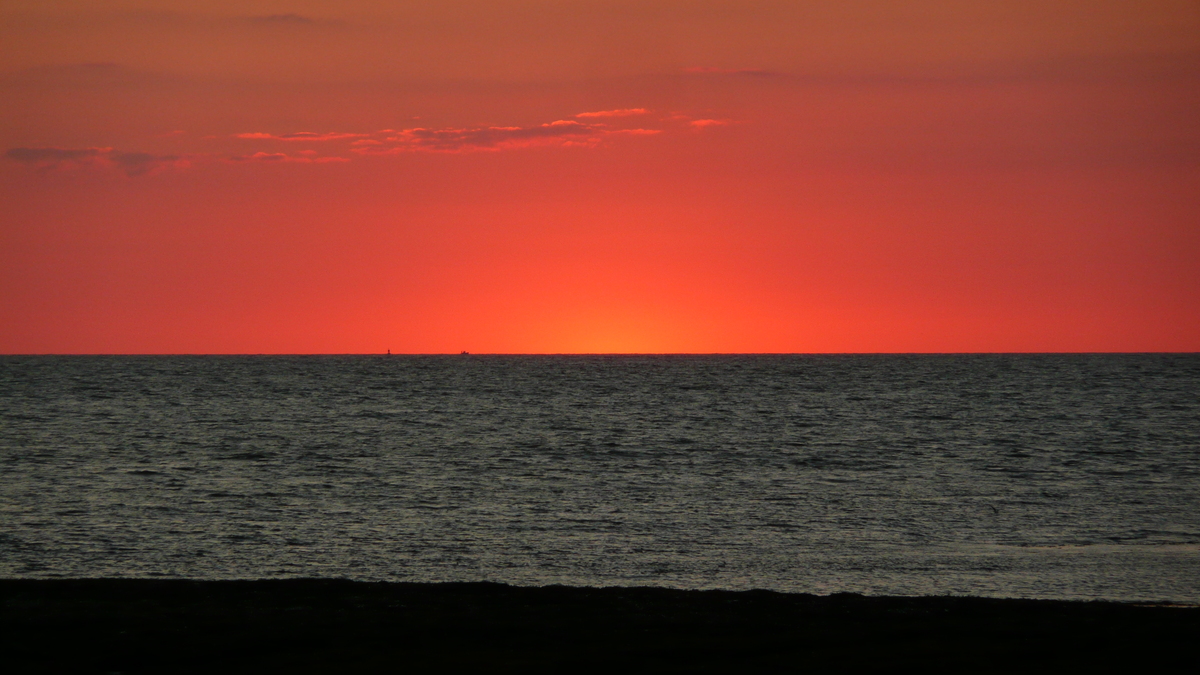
point(619, 333)
point(765, 176)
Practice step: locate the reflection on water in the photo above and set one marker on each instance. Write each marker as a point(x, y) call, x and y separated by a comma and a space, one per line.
point(1035, 476)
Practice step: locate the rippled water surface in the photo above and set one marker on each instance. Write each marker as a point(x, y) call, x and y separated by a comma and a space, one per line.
point(1066, 476)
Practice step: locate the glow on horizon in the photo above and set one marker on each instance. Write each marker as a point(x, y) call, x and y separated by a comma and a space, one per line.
point(305, 176)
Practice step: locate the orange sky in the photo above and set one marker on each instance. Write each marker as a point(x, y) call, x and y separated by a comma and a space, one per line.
point(562, 176)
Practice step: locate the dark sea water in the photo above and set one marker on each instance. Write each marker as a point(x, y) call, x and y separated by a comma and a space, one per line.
point(1052, 476)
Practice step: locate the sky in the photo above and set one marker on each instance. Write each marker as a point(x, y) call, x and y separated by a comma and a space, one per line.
point(561, 176)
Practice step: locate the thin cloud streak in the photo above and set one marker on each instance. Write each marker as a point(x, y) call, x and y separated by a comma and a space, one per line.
point(623, 112)
point(298, 136)
point(131, 163)
point(279, 157)
point(139, 163)
point(707, 70)
point(282, 19)
point(289, 21)
point(560, 133)
point(565, 133)
point(54, 155)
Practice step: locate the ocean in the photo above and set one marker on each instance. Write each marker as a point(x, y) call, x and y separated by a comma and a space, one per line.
point(1030, 476)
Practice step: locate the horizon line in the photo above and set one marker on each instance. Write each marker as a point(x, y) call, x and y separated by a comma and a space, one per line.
point(386, 354)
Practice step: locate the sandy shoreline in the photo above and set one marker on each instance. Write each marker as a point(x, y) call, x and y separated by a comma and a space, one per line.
point(310, 626)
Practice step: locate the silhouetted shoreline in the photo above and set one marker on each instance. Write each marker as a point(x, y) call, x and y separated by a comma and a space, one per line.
point(313, 625)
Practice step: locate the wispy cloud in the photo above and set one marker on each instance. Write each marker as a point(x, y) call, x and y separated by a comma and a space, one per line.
point(587, 130)
point(708, 70)
point(700, 124)
point(138, 163)
point(282, 20)
point(285, 23)
point(623, 112)
point(272, 157)
point(564, 133)
point(299, 136)
point(132, 163)
point(51, 156)
point(560, 133)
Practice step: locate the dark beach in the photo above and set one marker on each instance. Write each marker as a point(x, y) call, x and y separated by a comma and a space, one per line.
point(311, 626)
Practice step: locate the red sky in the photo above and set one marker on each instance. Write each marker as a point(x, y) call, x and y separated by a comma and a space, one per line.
point(580, 176)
